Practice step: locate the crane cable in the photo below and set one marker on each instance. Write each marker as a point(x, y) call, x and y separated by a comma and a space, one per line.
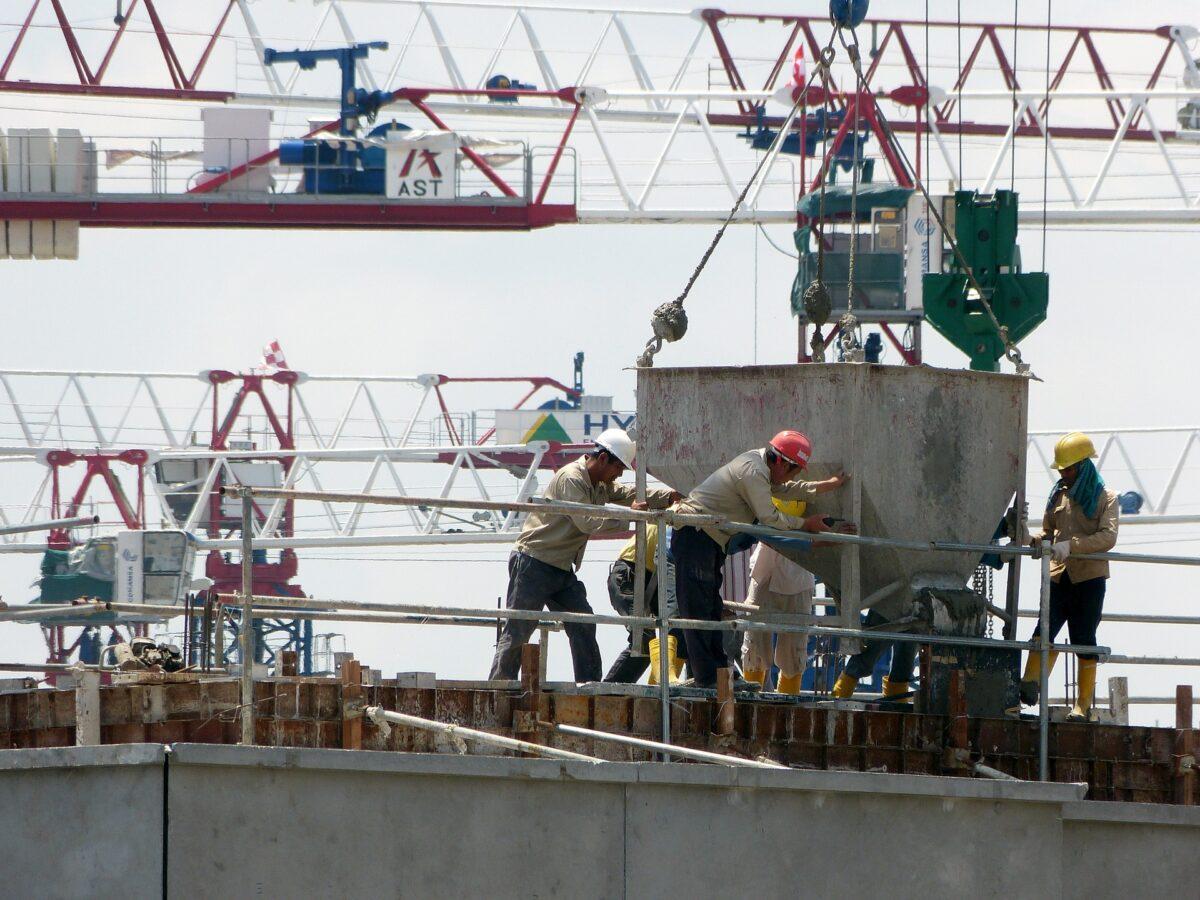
point(669, 321)
point(816, 300)
point(1011, 353)
point(848, 342)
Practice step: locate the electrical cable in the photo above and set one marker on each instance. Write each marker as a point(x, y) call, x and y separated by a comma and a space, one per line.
point(770, 241)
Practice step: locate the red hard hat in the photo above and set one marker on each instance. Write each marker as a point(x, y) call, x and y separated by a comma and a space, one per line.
point(792, 446)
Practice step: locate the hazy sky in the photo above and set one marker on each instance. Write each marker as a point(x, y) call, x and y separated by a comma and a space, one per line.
point(1117, 350)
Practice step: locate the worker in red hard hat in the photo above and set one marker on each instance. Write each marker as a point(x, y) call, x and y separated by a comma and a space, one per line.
point(743, 490)
point(549, 551)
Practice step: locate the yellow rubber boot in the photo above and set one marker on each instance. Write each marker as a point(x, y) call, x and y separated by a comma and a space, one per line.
point(674, 660)
point(755, 675)
point(788, 684)
point(844, 687)
point(1087, 691)
point(894, 689)
point(1030, 680)
point(673, 663)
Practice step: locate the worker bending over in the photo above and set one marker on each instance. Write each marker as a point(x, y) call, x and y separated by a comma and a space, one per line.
point(549, 551)
point(740, 491)
point(628, 668)
point(1081, 517)
point(779, 585)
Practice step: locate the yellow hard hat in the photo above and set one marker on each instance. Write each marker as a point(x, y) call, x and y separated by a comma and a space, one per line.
point(790, 507)
point(1073, 448)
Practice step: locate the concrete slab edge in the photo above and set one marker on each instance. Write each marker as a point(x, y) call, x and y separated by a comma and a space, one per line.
point(648, 773)
point(1133, 813)
point(78, 757)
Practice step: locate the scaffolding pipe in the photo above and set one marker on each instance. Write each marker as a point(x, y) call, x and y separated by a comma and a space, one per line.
point(54, 667)
point(384, 718)
point(50, 525)
point(619, 513)
point(989, 772)
point(1044, 674)
point(246, 629)
point(665, 749)
point(290, 603)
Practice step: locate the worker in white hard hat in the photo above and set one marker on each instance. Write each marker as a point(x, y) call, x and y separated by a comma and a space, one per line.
point(740, 491)
point(549, 550)
point(1081, 517)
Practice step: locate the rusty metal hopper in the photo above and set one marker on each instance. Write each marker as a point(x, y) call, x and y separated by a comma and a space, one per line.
point(934, 454)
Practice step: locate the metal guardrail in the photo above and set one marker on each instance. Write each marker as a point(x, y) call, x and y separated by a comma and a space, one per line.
point(262, 606)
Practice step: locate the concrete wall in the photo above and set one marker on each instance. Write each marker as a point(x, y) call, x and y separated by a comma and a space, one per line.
point(291, 822)
point(82, 821)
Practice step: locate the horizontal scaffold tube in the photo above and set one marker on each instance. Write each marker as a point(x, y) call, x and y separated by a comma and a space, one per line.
point(659, 747)
point(674, 518)
point(384, 718)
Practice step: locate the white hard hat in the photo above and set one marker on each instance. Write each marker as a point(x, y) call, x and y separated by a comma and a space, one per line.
point(619, 444)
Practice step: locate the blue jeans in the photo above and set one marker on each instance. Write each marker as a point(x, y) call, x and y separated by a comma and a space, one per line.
point(904, 654)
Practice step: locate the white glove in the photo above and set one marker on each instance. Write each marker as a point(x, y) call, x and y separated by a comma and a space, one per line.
point(1060, 551)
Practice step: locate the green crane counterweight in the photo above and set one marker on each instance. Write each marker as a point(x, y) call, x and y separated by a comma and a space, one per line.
point(985, 229)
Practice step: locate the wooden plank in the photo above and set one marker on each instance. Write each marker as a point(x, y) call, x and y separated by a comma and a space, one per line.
point(1185, 760)
point(726, 708)
point(352, 698)
point(289, 662)
point(87, 709)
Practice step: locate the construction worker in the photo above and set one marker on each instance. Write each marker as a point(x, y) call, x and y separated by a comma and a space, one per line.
point(628, 668)
point(740, 491)
point(860, 665)
point(778, 585)
point(1081, 517)
point(549, 550)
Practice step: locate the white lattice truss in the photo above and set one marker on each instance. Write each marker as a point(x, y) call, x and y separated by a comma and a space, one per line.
point(1119, 456)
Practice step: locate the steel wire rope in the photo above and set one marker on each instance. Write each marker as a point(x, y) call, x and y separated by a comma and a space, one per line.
point(1046, 137)
point(669, 321)
point(848, 342)
point(1012, 177)
point(817, 304)
point(958, 100)
point(1011, 353)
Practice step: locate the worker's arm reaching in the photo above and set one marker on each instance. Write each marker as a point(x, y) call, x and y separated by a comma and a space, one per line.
point(758, 493)
point(577, 489)
point(656, 498)
point(829, 484)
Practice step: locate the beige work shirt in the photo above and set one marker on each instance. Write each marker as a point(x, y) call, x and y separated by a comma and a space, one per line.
point(741, 491)
point(559, 540)
point(1066, 521)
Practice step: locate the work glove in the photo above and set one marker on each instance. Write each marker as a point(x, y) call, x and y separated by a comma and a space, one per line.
point(1060, 550)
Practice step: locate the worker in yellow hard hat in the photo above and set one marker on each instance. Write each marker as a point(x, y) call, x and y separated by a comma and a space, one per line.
point(1081, 517)
point(627, 668)
point(778, 585)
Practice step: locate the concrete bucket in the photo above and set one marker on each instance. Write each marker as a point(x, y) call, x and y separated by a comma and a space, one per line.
point(934, 454)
